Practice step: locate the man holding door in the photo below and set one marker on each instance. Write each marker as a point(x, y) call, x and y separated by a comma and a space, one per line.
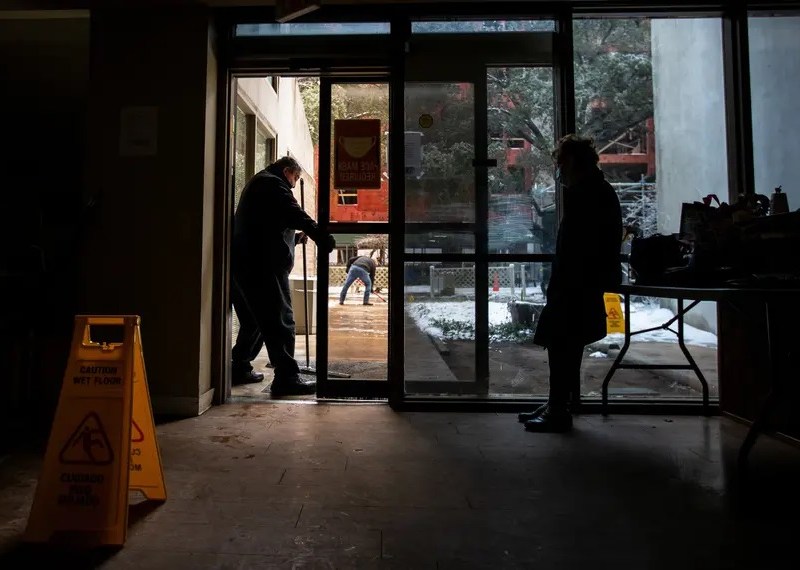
point(265, 233)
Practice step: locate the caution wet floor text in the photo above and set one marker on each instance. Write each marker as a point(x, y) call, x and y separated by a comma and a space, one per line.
point(615, 320)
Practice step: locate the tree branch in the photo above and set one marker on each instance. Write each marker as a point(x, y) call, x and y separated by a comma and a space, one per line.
point(536, 139)
point(359, 115)
point(633, 123)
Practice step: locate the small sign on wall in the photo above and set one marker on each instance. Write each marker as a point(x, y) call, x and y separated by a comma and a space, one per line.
point(357, 154)
point(138, 131)
point(413, 153)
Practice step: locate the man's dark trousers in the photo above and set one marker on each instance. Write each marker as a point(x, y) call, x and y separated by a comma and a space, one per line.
point(265, 297)
point(248, 340)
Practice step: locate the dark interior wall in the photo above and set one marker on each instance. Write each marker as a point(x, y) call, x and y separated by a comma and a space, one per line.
point(744, 363)
point(148, 250)
point(44, 75)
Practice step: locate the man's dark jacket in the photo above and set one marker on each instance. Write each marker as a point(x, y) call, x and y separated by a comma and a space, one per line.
point(366, 263)
point(265, 223)
point(586, 264)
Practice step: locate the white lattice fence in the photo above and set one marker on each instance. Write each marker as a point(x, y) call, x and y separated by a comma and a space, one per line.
point(338, 274)
point(450, 278)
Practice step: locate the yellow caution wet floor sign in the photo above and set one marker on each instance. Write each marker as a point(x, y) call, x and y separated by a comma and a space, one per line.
point(102, 443)
point(615, 321)
point(146, 474)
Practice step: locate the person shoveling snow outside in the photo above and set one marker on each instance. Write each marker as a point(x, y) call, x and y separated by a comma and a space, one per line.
point(360, 267)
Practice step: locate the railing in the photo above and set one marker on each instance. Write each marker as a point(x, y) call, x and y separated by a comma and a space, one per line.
point(510, 278)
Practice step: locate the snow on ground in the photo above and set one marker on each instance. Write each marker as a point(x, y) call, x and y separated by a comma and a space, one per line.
point(645, 316)
point(461, 314)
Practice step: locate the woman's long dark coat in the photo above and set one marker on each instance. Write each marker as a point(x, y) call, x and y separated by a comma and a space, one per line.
point(586, 265)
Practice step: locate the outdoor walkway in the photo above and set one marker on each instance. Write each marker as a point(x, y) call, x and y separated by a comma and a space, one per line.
point(314, 486)
point(359, 346)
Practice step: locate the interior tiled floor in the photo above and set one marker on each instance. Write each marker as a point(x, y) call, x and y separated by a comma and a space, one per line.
point(294, 485)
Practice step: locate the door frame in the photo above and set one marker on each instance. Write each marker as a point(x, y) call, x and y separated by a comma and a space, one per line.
point(334, 387)
point(323, 57)
point(345, 57)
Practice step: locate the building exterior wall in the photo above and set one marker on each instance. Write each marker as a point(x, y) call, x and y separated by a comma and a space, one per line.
point(281, 115)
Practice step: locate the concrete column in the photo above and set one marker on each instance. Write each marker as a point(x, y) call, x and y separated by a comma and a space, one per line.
point(689, 101)
point(774, 84)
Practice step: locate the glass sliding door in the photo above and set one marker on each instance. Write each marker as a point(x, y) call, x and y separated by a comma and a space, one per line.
point(353, 354)
point(440, 214)
point(479, 207)
point(521, 223)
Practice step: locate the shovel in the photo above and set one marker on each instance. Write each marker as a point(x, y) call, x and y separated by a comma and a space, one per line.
point(307, 368)
point(373, 292)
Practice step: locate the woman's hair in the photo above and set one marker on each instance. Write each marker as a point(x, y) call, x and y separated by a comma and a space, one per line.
point(286, 162)
point(581, 149)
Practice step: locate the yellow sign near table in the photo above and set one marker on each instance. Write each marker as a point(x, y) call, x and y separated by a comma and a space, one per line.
point(102, 443)
point(615, 321)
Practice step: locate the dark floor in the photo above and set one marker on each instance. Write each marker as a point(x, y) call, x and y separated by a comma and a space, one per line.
point(294, 485)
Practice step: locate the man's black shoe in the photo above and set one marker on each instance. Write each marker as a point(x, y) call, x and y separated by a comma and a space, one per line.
point(526, 416)
point(292, 386)
point(250, 378)
point(368, 303)
point(551, 421)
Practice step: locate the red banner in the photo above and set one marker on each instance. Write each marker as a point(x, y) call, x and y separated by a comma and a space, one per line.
point(357, 154)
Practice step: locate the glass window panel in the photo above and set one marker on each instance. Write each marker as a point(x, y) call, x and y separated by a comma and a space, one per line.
point(359, 335)
point(774, 80)
point(312, 29)
point(516, 298)
point(439, 327)
point(482, 26)
point(522, 209)
point(439, 241)
point(239, 181)
point(361, 101)
point(651, 94)
point(439, 136)
point(261, 152)
point(240, 152)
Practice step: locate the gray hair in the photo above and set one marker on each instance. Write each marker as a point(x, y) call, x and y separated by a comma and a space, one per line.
point(287, 162)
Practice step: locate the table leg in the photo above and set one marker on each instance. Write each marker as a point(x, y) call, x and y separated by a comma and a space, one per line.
point(688, 355)
point(755, 428)
point(621, 355)
point(774, 392)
